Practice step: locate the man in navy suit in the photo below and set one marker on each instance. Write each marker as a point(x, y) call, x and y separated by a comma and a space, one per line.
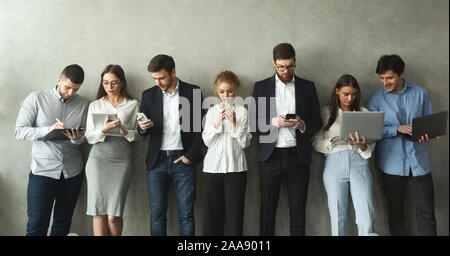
point(173, 109)
point(285, 140)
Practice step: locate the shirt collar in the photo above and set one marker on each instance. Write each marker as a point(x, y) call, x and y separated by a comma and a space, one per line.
point(57, 95)
point(405, 85)
point(124, 101)
point(278, 81)
point(174, 91)
point(340, 110)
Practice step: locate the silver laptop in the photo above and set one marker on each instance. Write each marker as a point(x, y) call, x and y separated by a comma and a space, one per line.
point(99, 120)
point(367, 124)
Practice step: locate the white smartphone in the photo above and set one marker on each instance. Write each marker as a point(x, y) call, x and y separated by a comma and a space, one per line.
point(225, 106)
point(144, 117)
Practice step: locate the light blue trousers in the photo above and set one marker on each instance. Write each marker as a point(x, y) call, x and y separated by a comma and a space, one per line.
point(343, 171)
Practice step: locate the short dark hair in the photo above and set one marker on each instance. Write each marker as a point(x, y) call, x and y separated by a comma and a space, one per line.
point(161, 61)
point(390, 62)
point(283, 51)
point(74, 72)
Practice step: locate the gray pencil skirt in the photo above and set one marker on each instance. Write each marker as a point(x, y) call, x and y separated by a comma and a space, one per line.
point(108, 181)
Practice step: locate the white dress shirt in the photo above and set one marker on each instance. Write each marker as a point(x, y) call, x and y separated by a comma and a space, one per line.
point(126, 111)
point(285, 104)
point(321, 141)
point(226, 147)
point(171, 132)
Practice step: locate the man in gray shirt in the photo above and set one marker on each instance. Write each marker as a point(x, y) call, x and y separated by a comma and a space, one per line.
point(56, 165)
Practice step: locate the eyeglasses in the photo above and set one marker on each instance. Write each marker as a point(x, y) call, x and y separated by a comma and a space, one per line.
point(284, 68)
point(112, 83)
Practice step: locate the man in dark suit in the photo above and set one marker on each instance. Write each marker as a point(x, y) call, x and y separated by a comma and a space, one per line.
point(285, 140)
point(173, 109)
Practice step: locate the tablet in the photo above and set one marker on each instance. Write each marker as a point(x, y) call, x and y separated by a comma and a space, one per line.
point(433, 125)
point(57, 134)
point(99, 120)
point(367, 124)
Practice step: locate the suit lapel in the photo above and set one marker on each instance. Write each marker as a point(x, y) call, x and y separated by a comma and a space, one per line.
point(181, 89)
point(270, 94)
point(181, 93)
point(270, 87)
point(298, 94)
point(158, 102)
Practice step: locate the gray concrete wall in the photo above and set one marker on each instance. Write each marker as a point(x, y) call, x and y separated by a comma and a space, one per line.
point(331, 37)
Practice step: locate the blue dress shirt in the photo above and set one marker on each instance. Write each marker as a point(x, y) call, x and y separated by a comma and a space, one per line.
point(397, 155)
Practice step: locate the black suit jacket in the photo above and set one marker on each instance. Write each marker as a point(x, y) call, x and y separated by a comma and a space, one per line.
point(306, 106)
point(152, 107)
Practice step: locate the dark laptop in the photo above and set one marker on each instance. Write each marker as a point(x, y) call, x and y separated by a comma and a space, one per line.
point(433, 125)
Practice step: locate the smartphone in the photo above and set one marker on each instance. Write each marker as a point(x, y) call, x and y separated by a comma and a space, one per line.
point(144, 117)
point(290, 116)
point(112, 117)
point(225, 106)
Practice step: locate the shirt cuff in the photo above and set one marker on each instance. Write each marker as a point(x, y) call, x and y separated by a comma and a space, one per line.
point(42, 131)
point(218, 129)
point(130, 135)
point(304, 126)
point(329, 145)
point(100, 135)
point(365, 154)
point(80, 141)
point(238, 132)
point(393, 130)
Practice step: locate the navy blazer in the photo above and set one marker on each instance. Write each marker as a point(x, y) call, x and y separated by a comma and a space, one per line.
point(306, 106)
point(152, 107)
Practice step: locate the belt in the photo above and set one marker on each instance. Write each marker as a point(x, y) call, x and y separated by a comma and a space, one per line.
point(285, 149)
point(172, 152)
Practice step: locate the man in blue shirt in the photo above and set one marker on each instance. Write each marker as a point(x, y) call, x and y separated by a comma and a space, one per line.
point(400, 160)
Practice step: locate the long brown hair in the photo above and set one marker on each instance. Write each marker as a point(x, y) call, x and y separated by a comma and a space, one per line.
point(118, 71)
point(334, 102)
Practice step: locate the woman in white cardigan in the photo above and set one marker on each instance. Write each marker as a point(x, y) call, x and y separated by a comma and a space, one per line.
point(346, 165)
point(226, 134)
point(109, 168)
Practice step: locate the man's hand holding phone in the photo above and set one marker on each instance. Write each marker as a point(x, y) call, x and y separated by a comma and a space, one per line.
point(144, 122)
point(288, 120)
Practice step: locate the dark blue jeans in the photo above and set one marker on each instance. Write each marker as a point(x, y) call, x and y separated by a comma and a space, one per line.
point(183, 178)
point(41, 194)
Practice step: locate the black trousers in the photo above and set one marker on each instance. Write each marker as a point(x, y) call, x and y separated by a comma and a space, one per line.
point(224, 203)
point(283, 166)
point(422, 194)
point(46, 194)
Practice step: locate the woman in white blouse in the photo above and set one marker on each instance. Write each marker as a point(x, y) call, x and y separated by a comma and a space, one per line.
point(346, 165)
point(226, 134)
point(109, 166)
